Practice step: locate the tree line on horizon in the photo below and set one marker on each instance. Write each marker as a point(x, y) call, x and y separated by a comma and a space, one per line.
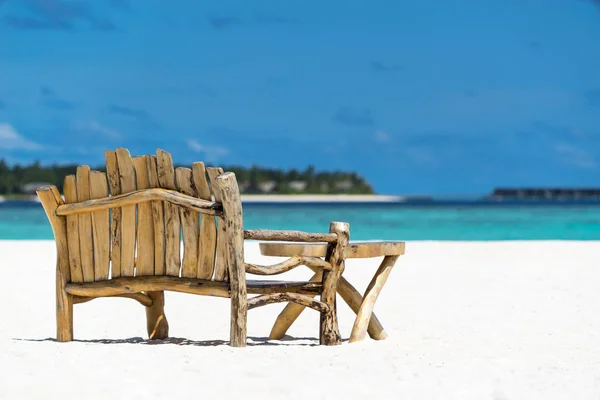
point(253, 180)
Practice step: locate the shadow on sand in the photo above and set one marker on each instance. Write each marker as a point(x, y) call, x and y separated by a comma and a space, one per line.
point(252, 341)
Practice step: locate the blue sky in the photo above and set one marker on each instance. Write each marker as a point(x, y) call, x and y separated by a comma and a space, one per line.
point(418, 96)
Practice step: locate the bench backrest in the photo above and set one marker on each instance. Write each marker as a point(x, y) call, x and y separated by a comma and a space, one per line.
point(144, 238)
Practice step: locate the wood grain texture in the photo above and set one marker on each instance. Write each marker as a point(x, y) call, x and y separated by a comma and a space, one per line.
point(147, 284)
point(227, 188)
point(158, 220)
point(301, 299)
point(156, 320)
point(70, 191)
point(221, 271)
point(166, 179)
point(51, 200)
point(139, 297)
point(100, 227)
point(286, 265)
point(114, 182)
point(144, 264)
point(128, 213)
point(138, 284)
point(86, 241)
point(363, 316)
point(141, 196)
point(208, 226)
point(330, 332)
point(354, 250)
point(290, 313)
point(189, 224)
point(349, 294)
point(289, 236)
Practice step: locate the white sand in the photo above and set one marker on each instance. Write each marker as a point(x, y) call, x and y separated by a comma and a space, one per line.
point(514, 320)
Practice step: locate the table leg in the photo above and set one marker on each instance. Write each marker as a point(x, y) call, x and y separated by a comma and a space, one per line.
point(290, 313)
point(366, 308)
point(354, 300)
point(349, 294)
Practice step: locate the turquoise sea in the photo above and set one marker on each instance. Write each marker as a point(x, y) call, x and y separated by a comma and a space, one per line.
point(471, 221)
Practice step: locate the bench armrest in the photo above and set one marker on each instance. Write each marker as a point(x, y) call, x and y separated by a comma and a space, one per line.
point(289, 236)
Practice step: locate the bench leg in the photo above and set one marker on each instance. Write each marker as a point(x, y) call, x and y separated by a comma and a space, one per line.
point(330, 331)
point(156, 320)
point(359, 330)
point(64, 311)
point(290, 313)
point(239, 317)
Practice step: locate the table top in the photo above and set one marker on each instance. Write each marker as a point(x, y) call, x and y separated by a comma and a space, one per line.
point(355, 249)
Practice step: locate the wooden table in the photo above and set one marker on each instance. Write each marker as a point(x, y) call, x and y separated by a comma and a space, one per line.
point(366, 321)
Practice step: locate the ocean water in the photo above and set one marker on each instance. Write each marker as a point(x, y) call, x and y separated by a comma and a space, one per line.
point(432, 221)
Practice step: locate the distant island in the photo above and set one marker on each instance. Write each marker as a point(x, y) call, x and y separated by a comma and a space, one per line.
point(21, 181)
point(548, 193)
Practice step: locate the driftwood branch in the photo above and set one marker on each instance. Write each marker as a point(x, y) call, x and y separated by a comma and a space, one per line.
point(287, 265)
point(141, 298)
point(138, 284)
point(330, 332)
point(363, 316)
point(350, 295)
point(129, 285)
point(306, 301)
point(289, 236)
point(141, 196)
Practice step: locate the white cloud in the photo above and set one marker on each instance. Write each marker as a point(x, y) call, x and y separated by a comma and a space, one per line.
point(576, 156)
point(211, 153)
point(97, 128)
point(11, 140)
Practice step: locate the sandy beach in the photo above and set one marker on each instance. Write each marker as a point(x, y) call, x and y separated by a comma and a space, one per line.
point(487, 320)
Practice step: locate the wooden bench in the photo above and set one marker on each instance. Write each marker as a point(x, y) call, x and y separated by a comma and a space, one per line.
point(119, 234)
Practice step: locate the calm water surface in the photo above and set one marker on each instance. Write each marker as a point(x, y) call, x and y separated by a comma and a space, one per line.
point(27, 221)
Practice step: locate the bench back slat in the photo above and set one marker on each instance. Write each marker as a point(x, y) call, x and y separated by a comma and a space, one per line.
point(86, 244)
point(189, 224)
point(166, 180)
point(144, 264)
point(157, 218)
point(100, 227)
point(221, 272)
point(128, 213)
point(208, 226)
point(70, 193)
point(114, 182)
point(144, 238)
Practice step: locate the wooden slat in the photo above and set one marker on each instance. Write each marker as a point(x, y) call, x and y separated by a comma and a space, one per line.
point(112, 170)
point(221, 273)
point(208, 227)
point(166, 179)
point(128, 226)
point(100, 227)
point(70, 191)
point(145, 234)
point(158, 220)
point(189, 223)
point(86, 241)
